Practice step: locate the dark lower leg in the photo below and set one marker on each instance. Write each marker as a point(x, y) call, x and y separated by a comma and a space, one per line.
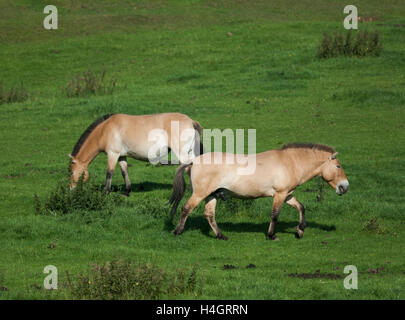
point(299, 233)
point(278, 201)
point(112, 161)
point(124, 170)
point(108, 180)
point(185, 212)
point(301, 227)
point(209, 214)
point(274, 217)
point(214, 227)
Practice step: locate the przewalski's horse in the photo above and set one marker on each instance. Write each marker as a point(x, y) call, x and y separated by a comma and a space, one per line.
point(277, 174)
point(143, 137)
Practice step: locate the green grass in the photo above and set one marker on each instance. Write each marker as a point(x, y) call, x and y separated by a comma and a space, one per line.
point(172, 56)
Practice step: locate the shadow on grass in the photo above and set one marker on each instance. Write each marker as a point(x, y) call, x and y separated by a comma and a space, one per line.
point(200, 223)
point(144, 186)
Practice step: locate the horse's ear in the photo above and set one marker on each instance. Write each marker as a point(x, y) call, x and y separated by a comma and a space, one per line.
point(333, 156)
point(71, 157)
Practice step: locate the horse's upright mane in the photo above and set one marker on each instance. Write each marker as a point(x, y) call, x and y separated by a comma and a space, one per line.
point(87, 132)
point(307, 145)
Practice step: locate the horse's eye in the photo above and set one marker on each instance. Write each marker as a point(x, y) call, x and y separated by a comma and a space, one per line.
point(338, 167)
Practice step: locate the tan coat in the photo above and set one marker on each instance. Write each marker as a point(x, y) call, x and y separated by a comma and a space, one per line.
point(143, 137)
point(277, 174)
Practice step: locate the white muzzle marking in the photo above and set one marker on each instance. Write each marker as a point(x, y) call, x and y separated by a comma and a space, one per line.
point(342, 187)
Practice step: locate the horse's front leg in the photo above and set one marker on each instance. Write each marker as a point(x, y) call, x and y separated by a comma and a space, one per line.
point(124, 170)
point(112, 162)
point(298, 205)
point(209, 214)
point(279, 198)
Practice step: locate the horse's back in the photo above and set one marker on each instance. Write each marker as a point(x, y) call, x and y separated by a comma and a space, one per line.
point(135, 135)
point(231, 171)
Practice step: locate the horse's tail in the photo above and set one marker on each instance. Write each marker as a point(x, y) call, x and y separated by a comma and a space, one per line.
point(179, 188)
point(198, 146)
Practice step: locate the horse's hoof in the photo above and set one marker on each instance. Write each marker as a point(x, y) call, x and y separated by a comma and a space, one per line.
point(273, 237)
point(221, 236)
point(299, 233)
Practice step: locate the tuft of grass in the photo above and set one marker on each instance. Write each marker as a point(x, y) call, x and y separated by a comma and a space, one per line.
point(151, 206)
point(14, 94)
point(320, 190)
point(363, 44)
point(183, 77)
point(90, 83)
point(2, 281)
point(122, 279)
point(87, 196)
point(259, 102)
point(374, 226)
point(234, 205)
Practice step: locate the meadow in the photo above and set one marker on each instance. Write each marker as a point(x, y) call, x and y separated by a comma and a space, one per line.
point(228, 64)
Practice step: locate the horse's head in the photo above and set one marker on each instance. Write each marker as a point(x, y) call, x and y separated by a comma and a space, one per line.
point(334, 175)
point(77, 168)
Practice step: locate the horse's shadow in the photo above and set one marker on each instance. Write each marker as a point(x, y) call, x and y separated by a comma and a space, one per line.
point(200, 223)
point(144, 186)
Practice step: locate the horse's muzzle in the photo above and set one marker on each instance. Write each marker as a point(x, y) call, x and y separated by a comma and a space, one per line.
point(342, 187)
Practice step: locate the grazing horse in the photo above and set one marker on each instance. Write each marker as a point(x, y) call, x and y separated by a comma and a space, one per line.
point(277, 174)
point(122, 135)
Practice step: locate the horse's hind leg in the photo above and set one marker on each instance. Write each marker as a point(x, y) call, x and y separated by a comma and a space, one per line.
point(112, 162)
point(124, 170)
point(278, 201)
point(185, 212)
point(298, 205)
point(209, 214)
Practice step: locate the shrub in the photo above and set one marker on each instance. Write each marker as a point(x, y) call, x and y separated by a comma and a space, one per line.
point(363, 44)
point(121, 279)
point(86, 196)
point(90, 83)
point(14, 94)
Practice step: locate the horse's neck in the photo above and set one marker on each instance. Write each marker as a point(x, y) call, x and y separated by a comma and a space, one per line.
point(309, 166)
point(88, 151)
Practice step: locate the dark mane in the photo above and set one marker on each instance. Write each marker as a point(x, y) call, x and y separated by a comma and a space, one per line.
point(306, 145)
point(87, 132)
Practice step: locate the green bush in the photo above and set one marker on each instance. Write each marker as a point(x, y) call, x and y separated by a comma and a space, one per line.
point(87, 196)
point(14, 94)
point(362, 44)
point(90, 83)
point(120, 279)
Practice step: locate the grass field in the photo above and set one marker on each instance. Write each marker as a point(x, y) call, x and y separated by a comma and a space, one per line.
point(227, 64)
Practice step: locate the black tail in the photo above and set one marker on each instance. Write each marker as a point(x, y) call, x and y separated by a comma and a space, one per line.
point(198, 146)
point(179, 188)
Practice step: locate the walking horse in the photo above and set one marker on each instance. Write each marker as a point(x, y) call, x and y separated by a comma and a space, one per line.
point(277, 174)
